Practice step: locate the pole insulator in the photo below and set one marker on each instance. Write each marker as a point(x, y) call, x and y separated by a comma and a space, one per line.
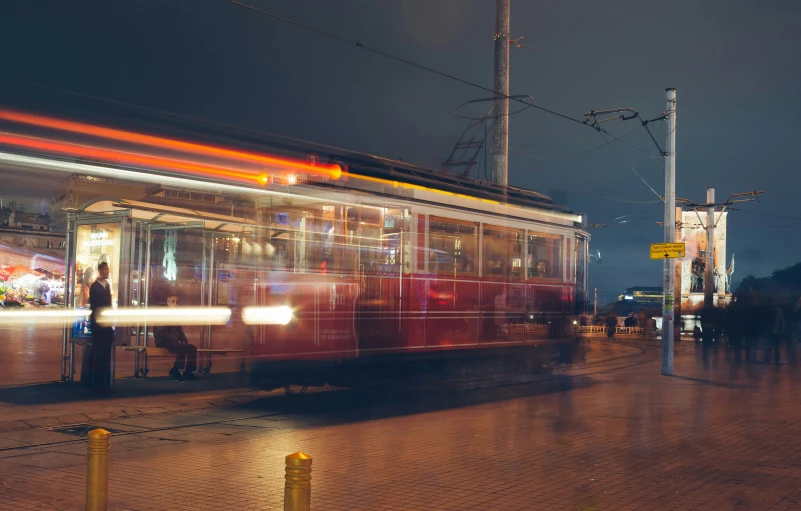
point(97, 465)
point(297, 487)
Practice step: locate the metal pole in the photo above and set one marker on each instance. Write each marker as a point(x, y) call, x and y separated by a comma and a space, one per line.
point(500, 130)
point(670, 232)
point(97, 470)
point(69, 301)
point(677, 272)
point(297, 486)
point(595, 303)
point(709, 273)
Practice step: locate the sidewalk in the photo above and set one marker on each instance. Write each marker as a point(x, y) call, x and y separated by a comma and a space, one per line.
point(54, 404)
point(619, 437)
point(46, 405)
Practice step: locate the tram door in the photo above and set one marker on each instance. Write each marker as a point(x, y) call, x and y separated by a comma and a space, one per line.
point(384, 267)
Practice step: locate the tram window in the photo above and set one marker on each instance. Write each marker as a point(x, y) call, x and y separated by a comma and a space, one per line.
point(543, 257)
point(452, 247)
point(503, 252)
point(323, 238)
point(382, 231)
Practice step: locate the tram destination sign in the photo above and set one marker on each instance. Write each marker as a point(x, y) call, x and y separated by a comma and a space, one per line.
point(667, 250)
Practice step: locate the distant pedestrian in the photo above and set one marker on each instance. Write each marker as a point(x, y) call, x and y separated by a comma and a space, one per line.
point(795, 335)
point(96, 362)
point(642, 321)
point(708, 331)
point(734, 329)
point(779, 331)
point(751, 327)
point(611, 325)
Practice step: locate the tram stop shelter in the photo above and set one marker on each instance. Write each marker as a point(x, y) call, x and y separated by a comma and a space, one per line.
point(153, 251)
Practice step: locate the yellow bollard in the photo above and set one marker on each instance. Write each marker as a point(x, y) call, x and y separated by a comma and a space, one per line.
point(97, 470)
point(297, 489)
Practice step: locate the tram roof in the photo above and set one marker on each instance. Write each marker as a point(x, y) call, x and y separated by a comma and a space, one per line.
point(382, 168)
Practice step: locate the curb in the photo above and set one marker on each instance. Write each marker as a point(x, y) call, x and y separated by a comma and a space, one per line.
point(58, 421)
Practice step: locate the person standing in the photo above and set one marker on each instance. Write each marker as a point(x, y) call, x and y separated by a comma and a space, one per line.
point(96, 364)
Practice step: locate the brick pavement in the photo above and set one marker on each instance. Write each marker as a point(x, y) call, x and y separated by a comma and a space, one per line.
point(618, 437)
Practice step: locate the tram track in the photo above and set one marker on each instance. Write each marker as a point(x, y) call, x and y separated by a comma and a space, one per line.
point(607, 365)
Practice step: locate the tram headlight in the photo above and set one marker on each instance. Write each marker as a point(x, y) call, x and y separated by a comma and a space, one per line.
point(267, 315)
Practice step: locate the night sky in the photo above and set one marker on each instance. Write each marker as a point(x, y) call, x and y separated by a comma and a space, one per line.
point(735, 65)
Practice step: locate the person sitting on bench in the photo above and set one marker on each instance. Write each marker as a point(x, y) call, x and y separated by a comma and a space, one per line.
point(174, 339)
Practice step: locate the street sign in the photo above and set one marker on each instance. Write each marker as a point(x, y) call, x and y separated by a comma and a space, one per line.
point(667, 250)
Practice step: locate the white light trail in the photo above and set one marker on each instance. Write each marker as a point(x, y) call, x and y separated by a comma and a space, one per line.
point(266, 315)
point(164, 316)
point(41, 317)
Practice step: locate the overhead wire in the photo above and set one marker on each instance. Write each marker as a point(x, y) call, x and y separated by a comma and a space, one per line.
point(408, 62)
point(770, 214)
point(423, 67)
point(573, 155)
point(629, 165)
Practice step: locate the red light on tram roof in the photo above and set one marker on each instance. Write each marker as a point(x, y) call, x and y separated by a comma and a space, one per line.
point(333, 171)
point(80, 151)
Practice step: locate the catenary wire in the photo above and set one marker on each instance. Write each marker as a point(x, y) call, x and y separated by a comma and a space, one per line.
point(629, 165)
point(573, 155)
point(399, 59)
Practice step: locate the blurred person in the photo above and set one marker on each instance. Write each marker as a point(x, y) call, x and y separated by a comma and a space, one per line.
point(734, 329)
point(87, 278)
point(794, 334)
point(751, 328)
point(174, 339)
point(642, 321)
point(542, 268)
point(611, 325)
point(630, 321)
point(96, 361)
point(708, 331)
point(779, 331)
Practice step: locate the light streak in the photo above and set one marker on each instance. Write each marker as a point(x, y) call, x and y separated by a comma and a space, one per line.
point(79, 150)
point(281, 315)
point(164, 316)
point(41, 317)
point(409, 186)
point(42, 163)
point(334, 171)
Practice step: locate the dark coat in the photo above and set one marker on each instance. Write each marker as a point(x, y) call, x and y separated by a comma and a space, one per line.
point(99, 298)
point(166, 336)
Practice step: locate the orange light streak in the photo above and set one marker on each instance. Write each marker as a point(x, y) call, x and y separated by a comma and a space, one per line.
point(399, 184)
point(333, 171)
point(141, 159)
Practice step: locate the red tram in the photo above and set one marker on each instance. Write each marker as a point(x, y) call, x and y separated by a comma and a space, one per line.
point(392, 266)
point(386, 266)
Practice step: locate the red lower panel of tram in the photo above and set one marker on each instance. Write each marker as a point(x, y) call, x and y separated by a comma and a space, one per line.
point(345, 317)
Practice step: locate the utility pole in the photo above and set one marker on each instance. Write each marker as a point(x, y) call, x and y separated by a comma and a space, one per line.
point(595, 303)
point(709, 270)
point(500, 130)
point(670, 232)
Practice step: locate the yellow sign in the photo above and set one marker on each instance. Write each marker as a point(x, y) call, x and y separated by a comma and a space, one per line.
point(667, 250)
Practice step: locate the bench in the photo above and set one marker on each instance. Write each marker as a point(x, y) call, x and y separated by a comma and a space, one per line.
point(154, 352)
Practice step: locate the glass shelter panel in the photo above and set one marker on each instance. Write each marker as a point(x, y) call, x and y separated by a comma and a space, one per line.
point(95, 244)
